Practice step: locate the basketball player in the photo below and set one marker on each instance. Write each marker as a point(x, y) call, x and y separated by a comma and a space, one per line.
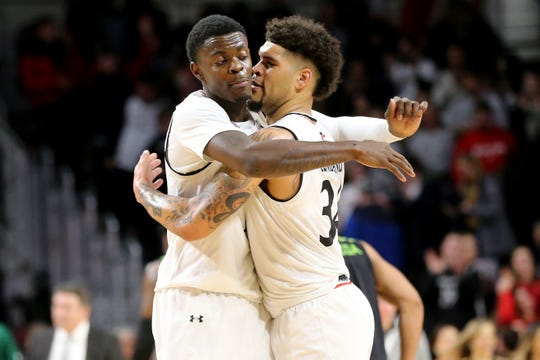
point(205, 284)
point(292, 221)
point(377, 277)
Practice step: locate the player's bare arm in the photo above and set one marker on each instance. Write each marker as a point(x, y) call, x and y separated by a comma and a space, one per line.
point(284, 187)
point(403, 117)
point(370, 153)
point(191, 218)
point(198, 216)
point(281, 157)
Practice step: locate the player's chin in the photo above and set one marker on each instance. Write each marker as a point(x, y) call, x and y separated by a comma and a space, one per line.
point(256, 94)
point(254, 104)
point(241, 94)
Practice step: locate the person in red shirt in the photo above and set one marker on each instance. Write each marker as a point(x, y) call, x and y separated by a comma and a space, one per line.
point(493, 144)
point(518, 292)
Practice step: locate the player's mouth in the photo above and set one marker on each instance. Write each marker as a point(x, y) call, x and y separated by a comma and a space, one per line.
point(240, 83)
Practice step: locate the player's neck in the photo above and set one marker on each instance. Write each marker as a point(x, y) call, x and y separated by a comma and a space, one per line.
point(236, 110)
point(293, 105)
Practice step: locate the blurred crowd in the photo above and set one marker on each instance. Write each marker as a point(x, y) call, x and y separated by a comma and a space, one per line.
point(100, 85)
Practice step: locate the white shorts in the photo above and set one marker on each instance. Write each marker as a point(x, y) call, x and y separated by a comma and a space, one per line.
point(190, 324)
point(336, 326)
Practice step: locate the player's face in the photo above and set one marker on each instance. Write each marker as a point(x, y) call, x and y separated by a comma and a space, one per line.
point(273, 78)
point(224, 67)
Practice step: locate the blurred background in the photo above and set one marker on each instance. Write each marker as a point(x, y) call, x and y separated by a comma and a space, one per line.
point(85, 86)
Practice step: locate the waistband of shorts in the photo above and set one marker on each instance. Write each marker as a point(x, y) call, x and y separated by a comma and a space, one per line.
point(343, 280)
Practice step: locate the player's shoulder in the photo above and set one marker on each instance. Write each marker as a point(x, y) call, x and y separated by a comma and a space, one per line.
point(198, 100)
point(198, 107)
point(294, 121)
point(273, 133)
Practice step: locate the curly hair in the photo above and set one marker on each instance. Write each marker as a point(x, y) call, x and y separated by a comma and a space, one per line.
point(209, 26)
point(312, 41)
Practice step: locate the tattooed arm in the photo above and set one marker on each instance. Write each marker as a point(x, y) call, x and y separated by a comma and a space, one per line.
point(283, 157)
point(190, 218)
point(196, 217)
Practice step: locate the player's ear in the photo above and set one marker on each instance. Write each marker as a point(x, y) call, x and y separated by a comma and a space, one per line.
point(196, 70)
point(304, 78)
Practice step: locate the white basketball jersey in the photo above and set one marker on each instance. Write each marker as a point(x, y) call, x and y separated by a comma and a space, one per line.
point(222, 261)
point(294, 243)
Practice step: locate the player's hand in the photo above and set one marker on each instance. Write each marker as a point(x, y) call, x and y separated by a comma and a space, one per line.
point(380, 155)
point(404, 116)
point(146, 173)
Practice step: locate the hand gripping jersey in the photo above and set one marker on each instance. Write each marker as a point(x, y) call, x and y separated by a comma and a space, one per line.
point(294, 243)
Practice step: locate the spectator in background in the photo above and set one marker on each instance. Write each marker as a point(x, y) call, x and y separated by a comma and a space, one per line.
point(52, 77)
point(444, 342)
point(72, 337)
point(473, 86)
point(148, 43)
point(431, 146)
point(141, 126)
point(451, 288)
point(409, 69)
point(43, 82)
point(518, 292)
point(479, 340)
point(481, 209)
point(494, 145)
point(107, 96)
point(446, 84)
point(141, 121)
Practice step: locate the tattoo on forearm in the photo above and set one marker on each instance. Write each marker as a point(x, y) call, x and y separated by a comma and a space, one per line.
point(223, 198)
point(213, 205)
